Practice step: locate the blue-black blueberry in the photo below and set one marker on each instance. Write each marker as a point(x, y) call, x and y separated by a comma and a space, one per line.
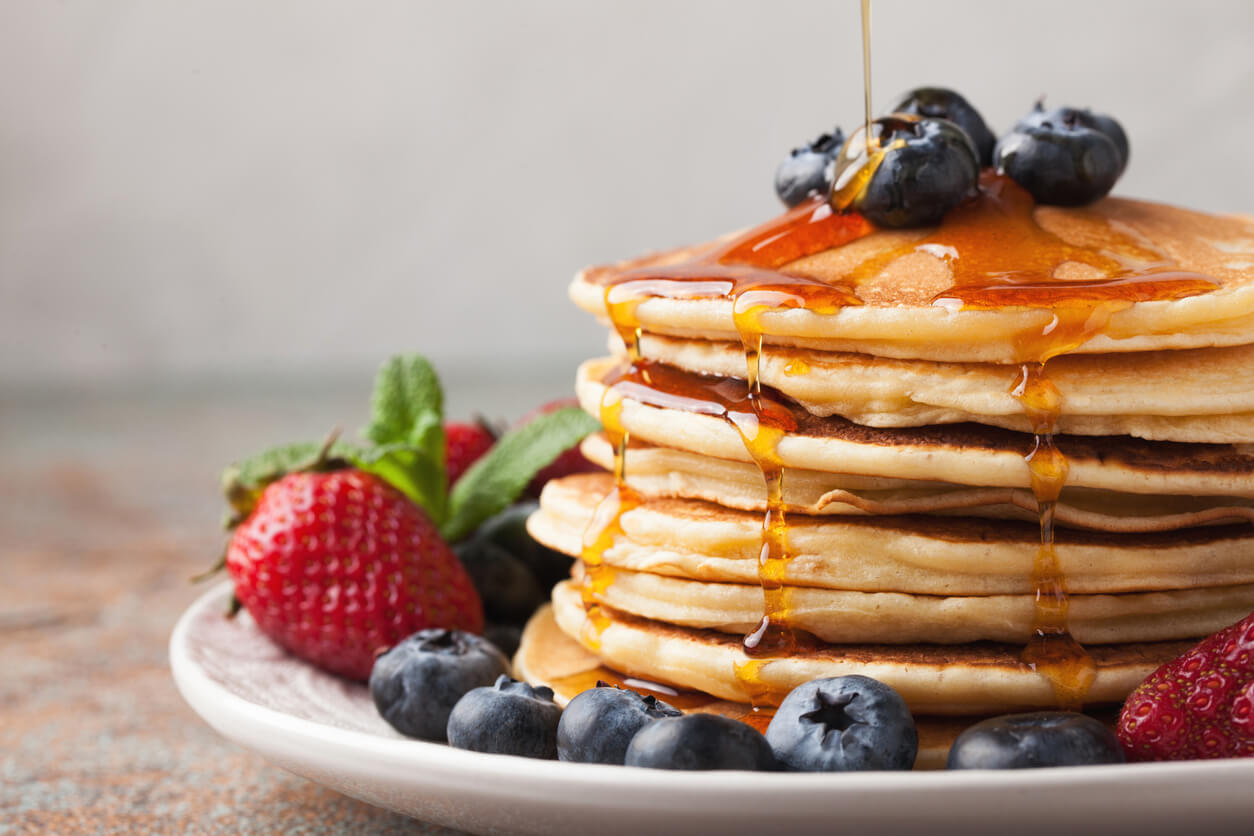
point(1083, 116)
point(1060, 157)
point(599, 724)
point(506, 718)
point(508, 530)
point(807, 171)
point(416, 684)
point(843, 724)
point(508, 589)
point(1042, 738)
point(506, 637)
point(943, 103)
point(700, 741)
point(928, 167)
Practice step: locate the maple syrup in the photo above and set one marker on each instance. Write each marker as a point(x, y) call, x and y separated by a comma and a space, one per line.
point(679, 698)
point(745, 270)
point(866, 71)
point(683, 699)
point(606, 523)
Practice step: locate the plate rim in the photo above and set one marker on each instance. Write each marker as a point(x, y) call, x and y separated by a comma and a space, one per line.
point(213, 702)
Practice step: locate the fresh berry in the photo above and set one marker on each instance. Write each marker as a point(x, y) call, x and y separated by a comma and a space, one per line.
point(942, 103)
point(465, 444)
point(843, 724)
point(506, 637)
point(1060, 157)
point(416, 684)
point(1198, 706)
point(807, 171)
point(571, 460)
point(508, 530)
point(1043, 738)
point(700, 741)
point(507, 718)
point(337, 566)
point(1097, 121)
point(928, 167)
point(508, 589)
point(599, 724)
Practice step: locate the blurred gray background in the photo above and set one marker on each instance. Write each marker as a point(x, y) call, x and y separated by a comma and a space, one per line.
point(225, 191)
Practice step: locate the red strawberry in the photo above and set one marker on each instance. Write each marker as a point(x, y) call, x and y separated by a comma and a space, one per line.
point(464, 444)
point(570, 462)
point(336, 566)
point(1198, 706)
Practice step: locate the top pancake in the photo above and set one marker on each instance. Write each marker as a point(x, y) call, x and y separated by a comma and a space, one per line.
point(901, 309)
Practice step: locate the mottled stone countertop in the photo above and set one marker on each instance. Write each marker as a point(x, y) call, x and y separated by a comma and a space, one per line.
point(108, 504)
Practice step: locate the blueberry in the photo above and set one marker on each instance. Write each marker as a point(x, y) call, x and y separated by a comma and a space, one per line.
point(844, 724)
point(807, 171)
point(942, 103)
point(598, 724)
point(1043, 738)
point(700, 741)
point(1099, 122)
point(508, 530)
point(506, 637)
point(507, 718)
point(509, 591)
point(1060, 158)
point(416, 684)
point(928, 167)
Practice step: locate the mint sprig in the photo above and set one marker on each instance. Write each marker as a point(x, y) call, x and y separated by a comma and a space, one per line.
point(406, 449)
point(491, 484)
point(407, 425)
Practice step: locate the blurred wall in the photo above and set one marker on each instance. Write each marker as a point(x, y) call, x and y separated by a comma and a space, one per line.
point(218, 187)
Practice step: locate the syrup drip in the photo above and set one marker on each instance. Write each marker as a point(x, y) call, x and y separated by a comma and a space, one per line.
point(746, 271)
point(762, 421)
point(1052, 651)
point(606, 524)
point(866, 70)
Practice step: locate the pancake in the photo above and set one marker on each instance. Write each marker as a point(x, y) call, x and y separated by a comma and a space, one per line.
point(966, 454)
point(841, 616)
point(669, 473)
point(1203, 395)
point(898, 315)
point(548, 657)
point(924, 555)
point(982, 678)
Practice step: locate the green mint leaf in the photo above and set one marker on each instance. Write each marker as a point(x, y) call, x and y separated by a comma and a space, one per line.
point(496, 480)
point(407, 422)
point(411, 471)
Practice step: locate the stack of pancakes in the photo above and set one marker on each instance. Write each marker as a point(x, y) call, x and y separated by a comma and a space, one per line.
point(860, 470)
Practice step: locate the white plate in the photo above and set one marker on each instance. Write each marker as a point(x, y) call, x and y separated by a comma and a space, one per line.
point(326, 729)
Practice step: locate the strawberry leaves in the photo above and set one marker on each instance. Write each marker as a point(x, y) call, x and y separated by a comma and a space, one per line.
point(244, 481)
point(407, 449)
